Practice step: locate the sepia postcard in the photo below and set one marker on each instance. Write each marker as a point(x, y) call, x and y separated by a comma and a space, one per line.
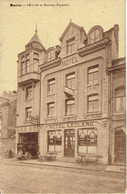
point(62, 96)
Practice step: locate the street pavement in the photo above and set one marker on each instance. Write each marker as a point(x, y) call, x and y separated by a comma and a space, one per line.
point(20, 178)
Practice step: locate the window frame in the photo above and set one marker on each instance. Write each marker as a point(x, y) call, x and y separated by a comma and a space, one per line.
point(27, 92)
point(70, 46)
point(94, 103)
point(70, 107)
point(86, 140)
point(122, 98)
point(71, 80)
point(28, 118)
point(54, 141)
point(92, 71)
point(50, 107)
point(50, 55)
point(51, 86)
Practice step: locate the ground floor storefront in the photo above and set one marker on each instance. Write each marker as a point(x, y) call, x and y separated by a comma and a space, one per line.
point(74, 138)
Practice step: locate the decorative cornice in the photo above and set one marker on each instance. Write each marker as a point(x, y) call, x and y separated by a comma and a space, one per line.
point(116, 68)
point(50, 64)
point(93, 47)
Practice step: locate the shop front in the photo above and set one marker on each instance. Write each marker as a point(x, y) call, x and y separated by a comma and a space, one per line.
point(75, 138)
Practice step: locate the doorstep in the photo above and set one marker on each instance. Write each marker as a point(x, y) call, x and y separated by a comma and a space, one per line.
point(116, 168)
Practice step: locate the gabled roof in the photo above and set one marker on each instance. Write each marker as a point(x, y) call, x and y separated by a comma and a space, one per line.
point(35, 38)
point(67, 28)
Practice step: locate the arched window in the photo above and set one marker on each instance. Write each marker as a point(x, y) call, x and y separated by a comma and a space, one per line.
point(95, 34)
point(120, 99)
point(50, 55)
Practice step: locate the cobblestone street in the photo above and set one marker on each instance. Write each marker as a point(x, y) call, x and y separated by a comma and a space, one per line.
point(20, 178)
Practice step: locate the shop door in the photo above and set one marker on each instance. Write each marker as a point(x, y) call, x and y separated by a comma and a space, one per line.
point(69, 143)
point(120, 146)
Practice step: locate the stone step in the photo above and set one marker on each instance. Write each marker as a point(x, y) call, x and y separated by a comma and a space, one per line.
point(66, 159)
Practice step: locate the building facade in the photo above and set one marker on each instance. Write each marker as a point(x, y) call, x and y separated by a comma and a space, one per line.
point(64, 102)
point(7, 122)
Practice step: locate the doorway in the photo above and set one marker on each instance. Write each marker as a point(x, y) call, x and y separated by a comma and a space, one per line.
point(120, 146)
point(69, 143)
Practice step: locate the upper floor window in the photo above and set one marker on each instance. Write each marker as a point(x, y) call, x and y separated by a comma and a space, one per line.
point(93, 103)
point(51, 86)
point(120, 99)
point(51, 110)
point(23, 66)
point(28, 113)
point(70, 107)
point(93, 74)
point(29, 93)
point(95, 35)
point(35, 62)
point(70, 46)
point(50, 55)
point(70, 80)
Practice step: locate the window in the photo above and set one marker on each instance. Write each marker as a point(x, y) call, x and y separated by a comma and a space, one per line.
point(29, 93)
point(0, 126)
point(120, 100)
point(50, 55)
point(93, 103)
point(93, 74)
point(54, 141)
point(28, 113)
point(87, 141)
point(23, 66)
point(95, 36)
point(70, 107)
point(70, 80)
point(70, 46)
point(51, 86)
point(36, 62)
point(51, 110)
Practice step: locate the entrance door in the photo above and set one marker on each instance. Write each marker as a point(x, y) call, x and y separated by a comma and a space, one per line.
point(69, 142)
point(120, 146)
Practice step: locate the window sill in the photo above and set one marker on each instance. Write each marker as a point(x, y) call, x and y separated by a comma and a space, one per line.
point(93, 84)
point(69, 55)
point(51, 118)
point(50, 94)
point(120, 113)
point(27, 121)
point(27, 100)
point(93, 113)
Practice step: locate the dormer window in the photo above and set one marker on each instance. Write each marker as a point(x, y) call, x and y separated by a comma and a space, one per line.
point(50, 55)
point(70, 46)
point(95, 34)
point(23, 66)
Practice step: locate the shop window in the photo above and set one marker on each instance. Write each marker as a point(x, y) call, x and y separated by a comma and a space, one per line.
point(29, 93)
point(51, 86)
point(93, 103)
point(70, 107)
point(28, 113)
point(54, 141)
point(50, 55)
point(51, 110)
point(120, 99)
point(87, 141)
point(70, 80)
point(93, 74)
point(70, 46)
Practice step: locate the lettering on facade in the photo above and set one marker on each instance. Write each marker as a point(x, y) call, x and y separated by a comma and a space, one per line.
point(72, 125)
point(70, 61)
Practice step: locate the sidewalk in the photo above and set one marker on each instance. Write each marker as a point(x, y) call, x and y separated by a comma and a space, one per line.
point(68, 165)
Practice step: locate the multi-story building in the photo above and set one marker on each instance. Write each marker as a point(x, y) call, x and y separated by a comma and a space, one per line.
point(64, 93)
point(7, 122)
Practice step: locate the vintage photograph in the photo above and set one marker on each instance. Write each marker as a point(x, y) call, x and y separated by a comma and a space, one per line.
point(62, 96)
